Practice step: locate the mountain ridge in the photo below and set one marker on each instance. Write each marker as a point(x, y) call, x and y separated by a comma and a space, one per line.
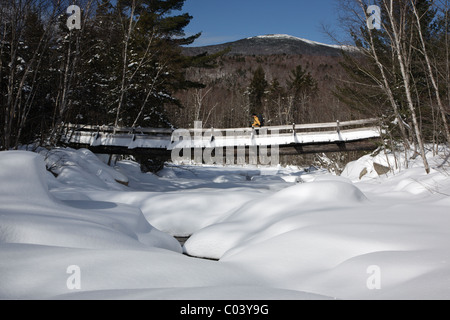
point(272, 44)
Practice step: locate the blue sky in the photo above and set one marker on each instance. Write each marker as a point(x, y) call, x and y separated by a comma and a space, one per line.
point(228, 20)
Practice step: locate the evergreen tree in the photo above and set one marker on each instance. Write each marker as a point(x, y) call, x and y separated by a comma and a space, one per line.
point(301, 82)
point(277, 96)
point(302, 87)
point(153, 67)
point(125, 64)
point(257, 90)
point(99, 67)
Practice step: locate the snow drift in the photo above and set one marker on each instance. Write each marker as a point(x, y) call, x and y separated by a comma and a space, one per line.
point(119, 254)
point(278, 233)
point(264, 218)
point(30, 214)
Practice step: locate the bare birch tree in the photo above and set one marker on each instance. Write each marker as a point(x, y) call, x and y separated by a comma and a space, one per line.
point(24, 61)
point(128, 30)
point(70, 63)
point(398, 22)
point(382, 80)
point(431, 75)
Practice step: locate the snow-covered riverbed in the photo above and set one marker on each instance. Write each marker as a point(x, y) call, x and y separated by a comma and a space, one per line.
point(277, 233)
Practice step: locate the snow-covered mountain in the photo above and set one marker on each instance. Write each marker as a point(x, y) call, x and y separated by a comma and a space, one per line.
point(314, 43)
point(273, 44)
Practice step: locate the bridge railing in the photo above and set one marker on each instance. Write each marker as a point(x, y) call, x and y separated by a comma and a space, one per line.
point(335, 126)
point(329, 127)
point(163, 137)
point(118, 130)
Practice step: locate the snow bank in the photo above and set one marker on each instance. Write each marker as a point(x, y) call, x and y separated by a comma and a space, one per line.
point(222, 292)
point(30, 272)
point(280, 233)
point(23, 177)
point(204, 196)
point(393, 227)
point(255, 221)
point(333, 237)
point(44, 236)
point(388, 163)
point(333, 252)
point(31, 215)
point(82, 167)
point(183, 213)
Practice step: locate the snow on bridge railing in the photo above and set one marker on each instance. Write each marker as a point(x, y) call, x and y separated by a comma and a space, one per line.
point(169, 139)
point(330, 127)
point(331, 132)
point(337, 126)
point(118, 130)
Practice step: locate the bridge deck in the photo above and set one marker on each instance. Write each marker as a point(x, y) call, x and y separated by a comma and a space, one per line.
point(293, 139)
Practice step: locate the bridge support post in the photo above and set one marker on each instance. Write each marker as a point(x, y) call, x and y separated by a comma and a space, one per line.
point(338, 126)
point(198, 137)
point(212, 134)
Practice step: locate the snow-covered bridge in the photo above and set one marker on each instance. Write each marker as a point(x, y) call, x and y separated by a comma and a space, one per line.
point(287, 140)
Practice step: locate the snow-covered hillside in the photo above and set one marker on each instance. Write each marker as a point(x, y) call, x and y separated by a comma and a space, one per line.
point(274, 44)
point(315, 43)
point(89, 231)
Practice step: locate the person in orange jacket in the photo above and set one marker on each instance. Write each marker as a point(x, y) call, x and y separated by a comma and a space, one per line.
point(256, 121)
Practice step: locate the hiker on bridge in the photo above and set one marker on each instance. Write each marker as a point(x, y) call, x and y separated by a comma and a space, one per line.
point(258, 122)
point(256, 125)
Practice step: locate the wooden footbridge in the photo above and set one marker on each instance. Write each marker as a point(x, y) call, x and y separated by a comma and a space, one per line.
point(159, 143)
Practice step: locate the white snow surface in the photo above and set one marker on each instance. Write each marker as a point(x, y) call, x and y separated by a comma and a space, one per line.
point(275, 232)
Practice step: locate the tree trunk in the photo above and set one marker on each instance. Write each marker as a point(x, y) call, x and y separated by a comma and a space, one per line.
point(431, 74)
point(387, 87)
point(401, 56)
point(125, 64)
